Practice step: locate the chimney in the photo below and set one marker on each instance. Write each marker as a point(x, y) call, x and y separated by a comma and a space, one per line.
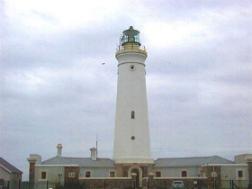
point(93, 153)
point(59, 150)
point(33, 160)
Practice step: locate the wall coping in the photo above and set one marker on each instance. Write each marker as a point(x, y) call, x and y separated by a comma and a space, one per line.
point(105, 178)
point(237, 164)
point(180, 178)
point(58, 165)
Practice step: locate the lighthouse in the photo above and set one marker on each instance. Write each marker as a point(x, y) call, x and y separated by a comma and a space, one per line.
point(131, 140)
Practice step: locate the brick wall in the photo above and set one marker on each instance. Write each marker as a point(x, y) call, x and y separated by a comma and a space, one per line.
point(32, 172)
point(148, 183)
point(71, 174)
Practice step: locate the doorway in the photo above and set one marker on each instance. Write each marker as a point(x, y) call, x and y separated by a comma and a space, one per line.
point(138, 172)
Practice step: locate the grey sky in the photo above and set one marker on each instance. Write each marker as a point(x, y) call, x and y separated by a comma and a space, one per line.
point(54, 88)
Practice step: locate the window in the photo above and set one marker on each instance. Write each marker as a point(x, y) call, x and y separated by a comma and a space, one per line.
point(88, 174)
point(132, 67)
point(132, 115)
point(183, 173)
point(43, 175)
point(112, 173)
point(240, 174)
point(71, 174)
point(158, 174)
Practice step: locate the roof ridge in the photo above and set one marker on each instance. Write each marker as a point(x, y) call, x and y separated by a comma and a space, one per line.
point(184, 157)
point(76, 158)
point(9, 166)
point(83, 157)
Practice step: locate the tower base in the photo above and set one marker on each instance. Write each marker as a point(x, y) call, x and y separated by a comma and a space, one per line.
point(135, 170)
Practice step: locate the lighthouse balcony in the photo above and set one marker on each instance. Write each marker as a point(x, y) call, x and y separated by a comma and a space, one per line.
point(131, 47)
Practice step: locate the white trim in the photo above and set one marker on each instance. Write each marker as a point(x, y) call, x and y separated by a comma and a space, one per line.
point(140, 173)
point(71, 174)
point(142, 161)
point(58, 165)
point(240, 164)
point(182, 170)
point(181, 178)
point(5, 168)
point(111, 170)
point(237, 175)
point(88, 170)
point(156, 173)
point(108, 178)
point(179, 166)
point(40, 179)
point(131, 63)
point(40, 175)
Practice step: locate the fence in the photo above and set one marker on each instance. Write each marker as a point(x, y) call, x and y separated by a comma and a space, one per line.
point(38, 185)
point(127, 184)
point(234, 184)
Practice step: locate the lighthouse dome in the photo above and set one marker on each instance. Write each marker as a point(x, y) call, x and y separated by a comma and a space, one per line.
point(130, 36)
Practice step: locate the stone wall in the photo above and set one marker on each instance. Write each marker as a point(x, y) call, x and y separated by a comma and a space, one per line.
point(148, 183)
point(123, 169)
point(166, 183)
point(107, 183)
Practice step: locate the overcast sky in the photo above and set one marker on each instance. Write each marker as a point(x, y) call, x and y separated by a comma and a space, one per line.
point(54, 88)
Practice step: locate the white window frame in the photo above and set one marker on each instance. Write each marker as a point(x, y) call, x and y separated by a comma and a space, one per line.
point(110, 172)
point(41, 175)
point(185, 171)
point(86, 172)
point(157, 172)
point(71, 174)
point(237, 174)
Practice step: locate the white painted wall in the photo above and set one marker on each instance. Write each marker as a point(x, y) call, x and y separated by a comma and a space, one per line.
point(131, 96)
point(231, 172)
point(96, 172)
point(12, 178)
point(52, 173)
point(4, 174)
point(242, 158)
point(176, 171)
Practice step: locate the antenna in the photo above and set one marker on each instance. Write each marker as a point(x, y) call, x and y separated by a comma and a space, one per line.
point(96, 145)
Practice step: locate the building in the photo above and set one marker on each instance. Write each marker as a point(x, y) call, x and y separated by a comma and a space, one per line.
point(62, 170)
point(10, 176)
point(132, 164)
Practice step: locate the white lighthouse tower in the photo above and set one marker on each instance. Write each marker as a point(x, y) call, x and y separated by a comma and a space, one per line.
point(132, 141)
